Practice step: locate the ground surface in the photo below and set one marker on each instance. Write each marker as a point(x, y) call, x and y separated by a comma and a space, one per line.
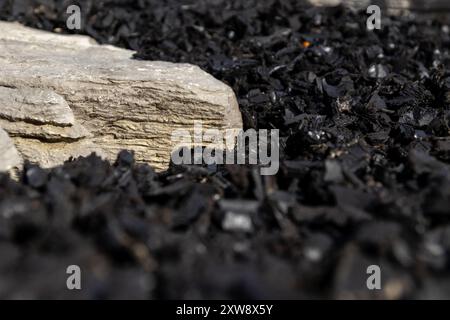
point(365, 176)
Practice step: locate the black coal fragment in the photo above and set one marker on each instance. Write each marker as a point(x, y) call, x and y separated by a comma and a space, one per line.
point(35, 176)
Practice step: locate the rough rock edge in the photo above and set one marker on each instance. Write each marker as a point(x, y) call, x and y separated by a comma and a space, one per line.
point(35, 105)
point(9, 156)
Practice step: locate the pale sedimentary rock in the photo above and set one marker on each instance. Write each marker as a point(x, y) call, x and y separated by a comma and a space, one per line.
point(64, 96)
point(9, 157)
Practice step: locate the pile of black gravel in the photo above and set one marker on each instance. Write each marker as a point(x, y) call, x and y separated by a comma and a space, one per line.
point(364, 118)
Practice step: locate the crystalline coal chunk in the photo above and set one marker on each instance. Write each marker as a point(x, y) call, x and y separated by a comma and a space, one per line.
point(125, 159)
point(378, 71)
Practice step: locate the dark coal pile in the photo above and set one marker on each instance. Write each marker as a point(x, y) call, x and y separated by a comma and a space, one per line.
point(364, 119)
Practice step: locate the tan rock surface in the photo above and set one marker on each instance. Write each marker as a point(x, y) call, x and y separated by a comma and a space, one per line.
point(63, 96)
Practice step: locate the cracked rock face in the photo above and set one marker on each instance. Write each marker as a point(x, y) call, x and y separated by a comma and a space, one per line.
point(63, 96)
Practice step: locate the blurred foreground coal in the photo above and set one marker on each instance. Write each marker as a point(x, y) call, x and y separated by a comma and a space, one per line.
point(364, 119)
point(199, 232)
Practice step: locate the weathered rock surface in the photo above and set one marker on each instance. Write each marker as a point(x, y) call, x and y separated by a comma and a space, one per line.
point(63, 96)
point(9, 157)
point(35, 105)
